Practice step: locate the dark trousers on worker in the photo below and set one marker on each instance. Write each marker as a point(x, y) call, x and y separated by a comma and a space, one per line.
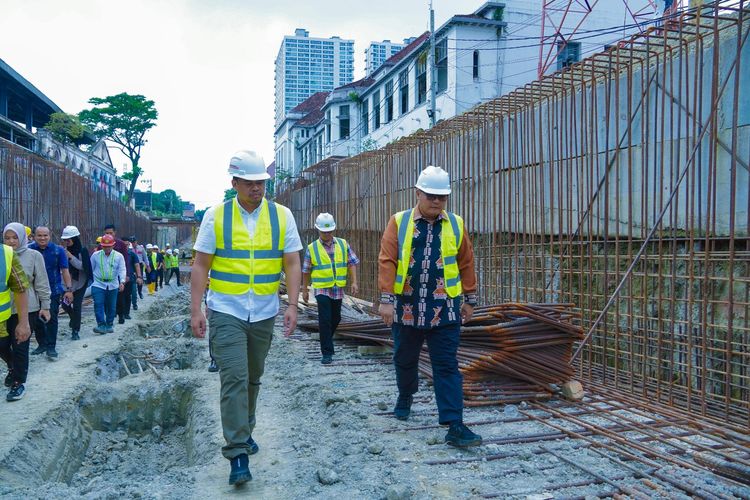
point(105, 304)
point(74, 309)
point(46, 333)
point(134, 296)
point(123, 300)
point(16, 355)
point(442, 343)
point(174, 271)
point(329, 317)
point(160, 278)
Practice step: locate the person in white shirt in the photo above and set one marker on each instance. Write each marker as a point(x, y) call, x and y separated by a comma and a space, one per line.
point(245, 243)
point(109, 272)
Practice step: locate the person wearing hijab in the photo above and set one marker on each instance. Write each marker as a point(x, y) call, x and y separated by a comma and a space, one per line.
point(16, 354)
point(80, 274)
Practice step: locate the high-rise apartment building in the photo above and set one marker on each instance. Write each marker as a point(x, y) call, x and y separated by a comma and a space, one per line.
point(308, 65)
point(378, 52)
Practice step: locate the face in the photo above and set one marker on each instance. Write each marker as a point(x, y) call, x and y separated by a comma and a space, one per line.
point(431, 205)
point(326, 236)
point(249, 191)
point(107, 250)
point(41, 236)
point(110, 231)
point(67, 243)
point(10, 238)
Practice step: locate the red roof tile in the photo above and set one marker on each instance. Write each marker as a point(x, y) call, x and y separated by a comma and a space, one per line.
point(315, 101)
point(408, 49)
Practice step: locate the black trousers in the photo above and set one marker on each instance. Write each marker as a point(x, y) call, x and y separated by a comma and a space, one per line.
point(176, 272)
point(160, 278)
point(74, 309)
point(123, 300)
point(46, 333)
point(15, 355)
point(329, 317)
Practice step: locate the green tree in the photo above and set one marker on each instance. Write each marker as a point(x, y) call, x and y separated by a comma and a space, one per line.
point(167, 202)
point(229, 194)
point(65, 127)
point(123, 119)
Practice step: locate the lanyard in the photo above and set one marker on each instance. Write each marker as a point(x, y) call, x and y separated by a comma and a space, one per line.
point(111, 275)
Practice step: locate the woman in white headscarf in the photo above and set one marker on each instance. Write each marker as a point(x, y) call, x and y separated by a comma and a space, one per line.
point(16, 354)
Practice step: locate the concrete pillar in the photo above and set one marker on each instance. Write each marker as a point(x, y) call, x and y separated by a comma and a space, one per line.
point(3, 102)
point(29, 111)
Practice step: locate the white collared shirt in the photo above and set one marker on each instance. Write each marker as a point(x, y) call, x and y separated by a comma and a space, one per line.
point(247, 307)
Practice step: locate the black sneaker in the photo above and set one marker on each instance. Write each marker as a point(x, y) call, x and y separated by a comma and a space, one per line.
point(51, 353)
point(403, 407)
point(74, 335)
point(135, 306)
point(121, 320)
point(100, 329)
point(240, 473)
point(253, 445)
point(127, 316)
point(16, 392)
point(39, 350)
point(327, 359)
point(213, 367)
point(9, 379)
point(460, 436)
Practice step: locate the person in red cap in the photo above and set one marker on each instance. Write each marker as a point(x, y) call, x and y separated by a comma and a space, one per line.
point(109, 272)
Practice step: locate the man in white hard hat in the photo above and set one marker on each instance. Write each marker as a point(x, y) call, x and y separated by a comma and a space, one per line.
point(328, 261)
point(245, 243)
point(426, 264)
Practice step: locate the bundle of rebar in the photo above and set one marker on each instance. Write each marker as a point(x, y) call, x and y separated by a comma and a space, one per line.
point(508, 352)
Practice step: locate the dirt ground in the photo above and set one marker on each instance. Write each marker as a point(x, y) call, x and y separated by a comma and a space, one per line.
point(135, 414)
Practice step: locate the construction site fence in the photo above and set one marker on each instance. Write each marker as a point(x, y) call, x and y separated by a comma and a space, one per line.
point(37, 191)
point(630, 167)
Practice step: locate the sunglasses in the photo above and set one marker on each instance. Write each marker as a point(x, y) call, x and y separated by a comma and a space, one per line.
point(435, 197)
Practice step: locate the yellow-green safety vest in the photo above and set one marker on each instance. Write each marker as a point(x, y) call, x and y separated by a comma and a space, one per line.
point(6, 263)
point(324, 273)
point(243, 262)
point(152, 259)
point(451, 237)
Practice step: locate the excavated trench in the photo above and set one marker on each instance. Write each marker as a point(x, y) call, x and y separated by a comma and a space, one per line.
point(154, 355)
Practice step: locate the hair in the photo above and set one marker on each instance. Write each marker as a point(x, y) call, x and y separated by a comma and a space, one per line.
point(110, 226)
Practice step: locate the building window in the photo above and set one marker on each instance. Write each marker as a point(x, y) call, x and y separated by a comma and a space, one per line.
point(420, 79)
point(475, 70)
point(388, 101)
point(328, 126)
point(376, 110)
point(568, 54)
point(344, 122)
point(441, 64)
point(403, 89)
point(365, 118)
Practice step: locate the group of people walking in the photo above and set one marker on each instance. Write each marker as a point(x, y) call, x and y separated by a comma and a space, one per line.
point(426, 278)
point(38, 277)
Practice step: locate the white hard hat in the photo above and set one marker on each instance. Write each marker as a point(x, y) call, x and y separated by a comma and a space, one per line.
point(156, 247)
point(324, 222)
point(149, 246)
point(70, 232)
point(169, 251)
point(248, 165)
point(434, 180)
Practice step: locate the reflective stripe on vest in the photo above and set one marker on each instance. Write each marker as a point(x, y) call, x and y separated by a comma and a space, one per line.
point(6, 264)
point(243, 262)
point(451, 230)
point(324, 274)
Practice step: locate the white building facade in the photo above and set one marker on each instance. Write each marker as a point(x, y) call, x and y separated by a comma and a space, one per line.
point(306, 65)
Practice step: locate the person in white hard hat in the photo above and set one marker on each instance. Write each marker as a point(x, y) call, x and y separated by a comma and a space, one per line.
point(245, 243)
point(329, 263)
point(152, 263)
point(425, 266)
point(81, 276)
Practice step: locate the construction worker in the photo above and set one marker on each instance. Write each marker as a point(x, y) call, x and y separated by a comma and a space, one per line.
point(245, 243)
point(15, 330)
point(426, 263)
point(110, 273)
point(173, 266)
point(151, 266)
point(327, 260)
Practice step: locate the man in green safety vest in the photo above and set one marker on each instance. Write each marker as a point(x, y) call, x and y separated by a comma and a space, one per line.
point(329, 263)
point(244, 243)
point(426, 264)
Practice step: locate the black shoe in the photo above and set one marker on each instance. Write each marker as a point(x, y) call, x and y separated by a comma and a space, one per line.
point(240, 473)
point(135, 306)
point(127, 316)
point(213, 367)
point(9, 379)
point(16, 392)
point(39, 350)
point(327, 359)
point(460, 436)
point(100, 329)
point(121, 320)
point(403, 407)
point(52, 353)
point(253, 445)
point(74, 335)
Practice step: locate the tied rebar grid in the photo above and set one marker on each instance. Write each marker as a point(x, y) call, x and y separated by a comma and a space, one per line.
point(627, 171)
point(36, 191)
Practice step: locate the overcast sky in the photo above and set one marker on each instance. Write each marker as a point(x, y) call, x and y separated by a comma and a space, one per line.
point(208, 65)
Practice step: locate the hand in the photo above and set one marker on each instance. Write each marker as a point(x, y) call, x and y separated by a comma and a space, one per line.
point(23, 332)
point(121, 287)
point(386, 312)
point(139, 280)
point(44, 315)
point(198, 324)
point(467, 311)
point(69, 297)
point(127, 279)
point(355, 289)
point(306, 296)
point(290, 320)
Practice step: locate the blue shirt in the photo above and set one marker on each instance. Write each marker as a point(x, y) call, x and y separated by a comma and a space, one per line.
point(55, 260)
